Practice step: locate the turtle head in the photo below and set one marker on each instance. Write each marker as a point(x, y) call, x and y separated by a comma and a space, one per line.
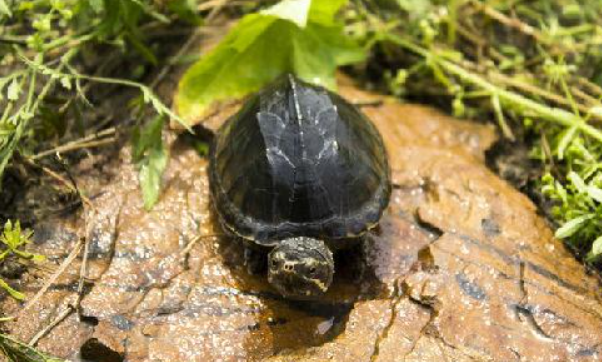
point(301, 267)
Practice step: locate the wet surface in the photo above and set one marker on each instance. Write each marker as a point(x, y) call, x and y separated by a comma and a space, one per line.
point(460, 269)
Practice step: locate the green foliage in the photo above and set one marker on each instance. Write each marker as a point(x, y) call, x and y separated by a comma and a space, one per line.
point(185, 10)
point(150, 155)
point(299, 36)
point(14, 239)
point(578, 196)
point(17, 351)
point(42, 43)
point(534, 64)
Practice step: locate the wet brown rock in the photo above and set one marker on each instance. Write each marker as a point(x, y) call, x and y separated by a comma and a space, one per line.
point(461, 269)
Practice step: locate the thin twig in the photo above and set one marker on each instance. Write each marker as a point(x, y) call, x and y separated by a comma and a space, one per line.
point(594, 88)
point(88, 141)
point(586, 97)
point(197, 238)
point(209, 5)
point(64, 265)
point(59, 178)
point(72, 307)
point(183, 49)
point(216, 9)
point(509, 22)
point(64, 314)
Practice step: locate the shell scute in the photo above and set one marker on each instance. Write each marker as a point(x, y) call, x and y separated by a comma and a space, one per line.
point(298, 160)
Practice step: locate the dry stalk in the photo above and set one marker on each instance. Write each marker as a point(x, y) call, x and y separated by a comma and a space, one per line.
point(94, 140)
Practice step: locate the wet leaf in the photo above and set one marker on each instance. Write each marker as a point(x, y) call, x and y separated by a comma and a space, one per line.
point(263, 46)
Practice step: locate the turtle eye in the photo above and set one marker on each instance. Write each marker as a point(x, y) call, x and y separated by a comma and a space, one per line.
point(274, 264)
point(312, 271)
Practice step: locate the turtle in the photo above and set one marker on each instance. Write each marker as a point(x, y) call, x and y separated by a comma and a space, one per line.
point(298, 173)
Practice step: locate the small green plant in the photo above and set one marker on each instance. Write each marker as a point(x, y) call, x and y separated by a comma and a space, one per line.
point(578, 197)
point(535, 65)
point(13, 239)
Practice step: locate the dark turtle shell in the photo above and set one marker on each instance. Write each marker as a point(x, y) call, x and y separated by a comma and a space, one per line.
point(298, 160)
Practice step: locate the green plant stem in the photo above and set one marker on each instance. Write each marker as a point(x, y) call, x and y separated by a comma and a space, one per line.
point(143, 88)
point(147, 91)
point(517, 101)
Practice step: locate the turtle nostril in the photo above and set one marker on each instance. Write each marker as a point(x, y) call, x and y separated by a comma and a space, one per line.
point(288, 267)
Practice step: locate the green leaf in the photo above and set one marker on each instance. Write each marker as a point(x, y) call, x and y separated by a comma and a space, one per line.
point(596, 110)
point(595, 193)
point(150, 176)
point(4, 9)
point(185, 10)
point(30, 256)
point(147, 138)
point(577, 181)
point(565, 141)
point(324, 11)
point(151, 157)
point(296, 11)
point(572, 226)
point(596, 247)
point(13, 293)
point(13, 91)
point(417, 9)
point(97, 5)
point(145, 51)
point(263, 46)
point(66, 82)
point(3, 82)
